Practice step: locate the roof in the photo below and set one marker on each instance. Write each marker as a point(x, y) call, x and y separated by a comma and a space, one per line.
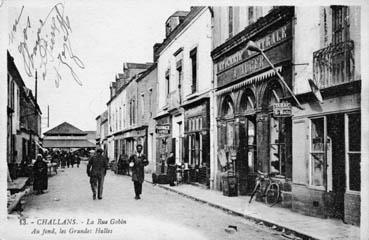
point(189, 17)
point(75, 143)
point(65, 129)
point(91, 135)
point(13, 71)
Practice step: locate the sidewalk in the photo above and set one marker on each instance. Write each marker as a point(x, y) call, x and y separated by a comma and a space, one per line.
point(301, 225)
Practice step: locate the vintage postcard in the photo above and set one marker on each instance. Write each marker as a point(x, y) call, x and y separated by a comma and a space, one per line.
point(184, 119)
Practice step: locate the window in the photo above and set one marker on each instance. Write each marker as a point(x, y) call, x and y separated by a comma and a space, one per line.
point(134, 111)
point(120, 118)
point(251, 15)
point(193, 56)
point(142, 105)
point(130, 113)
point(340, 24)
point(180, 76)
point(167, 81)
point(317, 151)
point(230, 22)
point(353, 151)
point(150, 101)
point(116, 119)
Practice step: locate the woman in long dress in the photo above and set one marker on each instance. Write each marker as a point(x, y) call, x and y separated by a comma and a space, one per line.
point(39, 175)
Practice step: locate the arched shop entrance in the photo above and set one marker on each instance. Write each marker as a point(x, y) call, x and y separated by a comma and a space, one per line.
point(274, 147)
point(226, 129)
point(246, 159)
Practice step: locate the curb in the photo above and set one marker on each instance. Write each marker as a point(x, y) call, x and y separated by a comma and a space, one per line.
point(275, 226)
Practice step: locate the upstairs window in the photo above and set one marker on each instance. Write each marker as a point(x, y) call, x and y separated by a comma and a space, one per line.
point(180, 76)
point(251, 18)
point(167, 81)
point(230, 22)
point(193, 56)
point(340, 24)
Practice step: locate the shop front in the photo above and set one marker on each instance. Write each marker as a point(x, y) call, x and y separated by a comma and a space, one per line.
point(327, 154)
point(253, 133)
point(196, 142)
point(164, 142)
point(125, 142)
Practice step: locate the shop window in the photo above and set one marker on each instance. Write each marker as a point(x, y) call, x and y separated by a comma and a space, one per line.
point(353, 149)
point(229, 134)
point(317, 152)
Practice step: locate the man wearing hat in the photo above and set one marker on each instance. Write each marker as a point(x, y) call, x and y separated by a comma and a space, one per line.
point(96, 170)
point(137, 162)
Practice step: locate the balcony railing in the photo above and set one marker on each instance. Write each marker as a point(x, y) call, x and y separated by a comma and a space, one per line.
point(334, 64)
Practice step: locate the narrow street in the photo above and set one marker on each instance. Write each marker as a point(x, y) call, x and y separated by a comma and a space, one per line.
point(159, 214)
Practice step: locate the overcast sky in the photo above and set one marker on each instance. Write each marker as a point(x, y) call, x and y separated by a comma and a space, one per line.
point(101, 34)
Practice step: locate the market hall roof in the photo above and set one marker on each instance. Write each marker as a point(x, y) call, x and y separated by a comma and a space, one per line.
point(67, 143)
point(65, 129)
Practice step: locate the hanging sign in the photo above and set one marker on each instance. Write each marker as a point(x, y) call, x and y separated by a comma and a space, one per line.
point(282, 109)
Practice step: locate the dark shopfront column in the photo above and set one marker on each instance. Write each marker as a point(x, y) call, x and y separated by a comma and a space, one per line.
point(262, 141)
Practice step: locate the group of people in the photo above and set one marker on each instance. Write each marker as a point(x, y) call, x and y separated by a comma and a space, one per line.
point(40, 168)
point(98, 165)
point(68, 159)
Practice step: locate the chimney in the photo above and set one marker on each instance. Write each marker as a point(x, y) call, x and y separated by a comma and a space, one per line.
point(155, 54)
point(112, 89)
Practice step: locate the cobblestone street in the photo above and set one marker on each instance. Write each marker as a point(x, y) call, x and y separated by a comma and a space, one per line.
point(161, 214)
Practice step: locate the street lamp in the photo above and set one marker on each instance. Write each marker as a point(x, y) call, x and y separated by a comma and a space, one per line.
point(253, 47)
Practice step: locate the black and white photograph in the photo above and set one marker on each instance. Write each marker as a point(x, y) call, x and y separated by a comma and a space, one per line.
point(184, 120)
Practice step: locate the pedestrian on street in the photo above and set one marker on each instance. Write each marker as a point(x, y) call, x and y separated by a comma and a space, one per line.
point(72, 159)
point(171, 169)
point(137, 162)
point(78, 160)
point(62, 159)
point(96, 170)
point(67, 156)
point(39, 175)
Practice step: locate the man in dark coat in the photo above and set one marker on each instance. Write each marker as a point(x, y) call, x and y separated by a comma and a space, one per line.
point(39, 175)
point(78, 160)
point(96, 170)
point(137, 162)
point(67, 157)
point(171, 169)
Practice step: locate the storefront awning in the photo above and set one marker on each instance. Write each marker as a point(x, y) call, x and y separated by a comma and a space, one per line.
point(251, 80)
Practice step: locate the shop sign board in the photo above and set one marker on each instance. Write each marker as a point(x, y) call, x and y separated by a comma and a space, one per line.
point(245, 62)
point(163, 129)
point(282, 109)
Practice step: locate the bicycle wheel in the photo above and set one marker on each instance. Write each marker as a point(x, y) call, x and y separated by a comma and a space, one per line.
point(272, 194)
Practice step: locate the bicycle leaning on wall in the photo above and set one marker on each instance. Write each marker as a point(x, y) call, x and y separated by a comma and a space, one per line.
point(267, 188)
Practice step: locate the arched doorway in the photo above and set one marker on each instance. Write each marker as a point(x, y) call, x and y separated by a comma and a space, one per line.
point(226, 143)
point(279, 133)
point(246, 159)
point(228, 122)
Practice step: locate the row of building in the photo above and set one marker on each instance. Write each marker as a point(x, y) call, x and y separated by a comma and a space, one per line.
point(23, 121)
point(271, 89)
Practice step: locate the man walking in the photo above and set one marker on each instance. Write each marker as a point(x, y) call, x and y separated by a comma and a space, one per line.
point(137, 162)
point(96, 170)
